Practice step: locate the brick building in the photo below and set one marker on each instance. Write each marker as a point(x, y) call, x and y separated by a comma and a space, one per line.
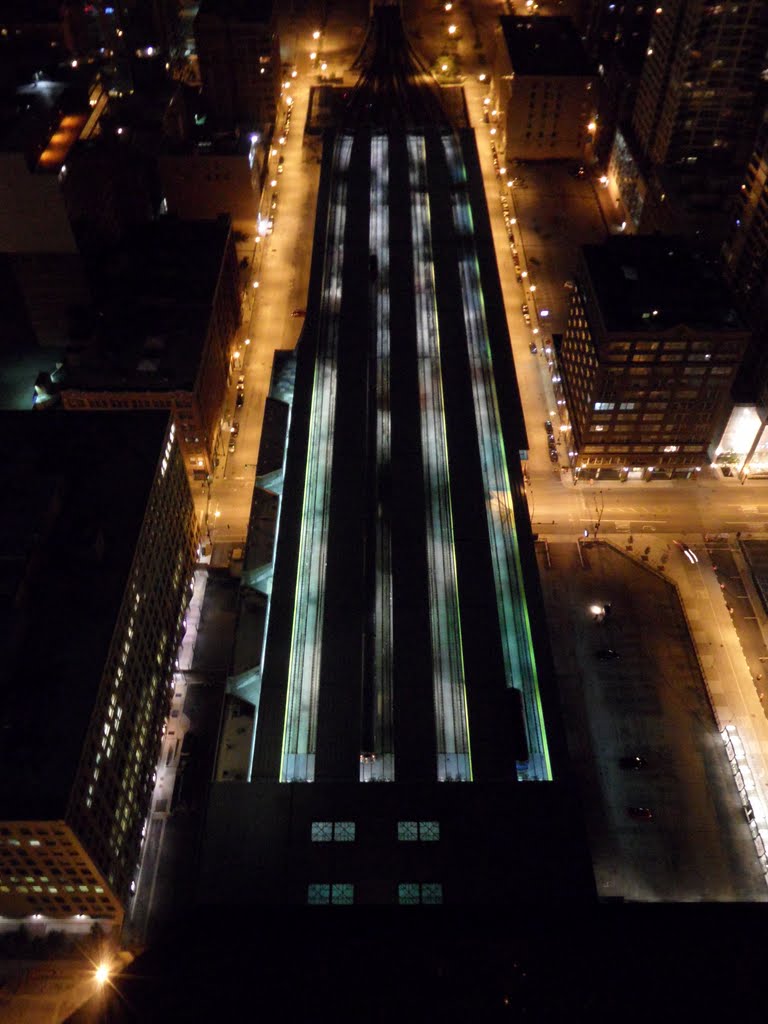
point(649, 354)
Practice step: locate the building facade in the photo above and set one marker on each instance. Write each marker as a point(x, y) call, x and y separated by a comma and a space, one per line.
point(110, 503)
point(746, 250)
point(696, 95)
point(651, 348)
point(214, 176)
point(544, 90)
point(239, 58)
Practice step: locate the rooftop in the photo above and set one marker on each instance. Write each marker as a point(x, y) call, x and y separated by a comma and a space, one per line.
point(76, 491)
point(545, 46)
point(652, 282)
point(157, 290)
point(46, 111)
point(237, 10)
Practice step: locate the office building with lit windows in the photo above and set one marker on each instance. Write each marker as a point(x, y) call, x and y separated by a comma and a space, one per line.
point(651, 348)
point(746, 249)
point(697, 111)
point(99, 544)
point(391, 734)
point(239, 54)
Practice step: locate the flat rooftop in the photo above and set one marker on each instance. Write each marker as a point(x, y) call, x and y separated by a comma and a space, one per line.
point(157, 290)
point(545, 46)
point(76, 491)
point(237, 10)
point(651, 282)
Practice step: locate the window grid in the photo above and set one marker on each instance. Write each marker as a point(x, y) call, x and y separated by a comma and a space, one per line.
point(426, 831)
point(423, 893)
point(330, 831)
point(339, 894)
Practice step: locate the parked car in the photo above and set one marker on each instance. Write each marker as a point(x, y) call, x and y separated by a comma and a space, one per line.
point(533, 348)
point(235, 428)
point(231, 446)
point(640, 813)
point(239, 400)
point(241, 382)
point(606, 654)
point(632, 764)
point(299, 312)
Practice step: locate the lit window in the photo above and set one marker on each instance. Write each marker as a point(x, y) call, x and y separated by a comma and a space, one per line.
point(322, 831)
point(340, 894)
point(419, 892)
point(427, 831)
point(328, 831)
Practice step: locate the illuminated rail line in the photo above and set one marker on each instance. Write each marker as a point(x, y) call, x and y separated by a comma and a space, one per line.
point(300, 726)
point(517, 644)
point(454, 761)
point(382, 766)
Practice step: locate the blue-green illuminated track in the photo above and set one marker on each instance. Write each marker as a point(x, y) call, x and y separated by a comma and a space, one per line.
point(300, 726)
point(454, 761)
point(517, 644)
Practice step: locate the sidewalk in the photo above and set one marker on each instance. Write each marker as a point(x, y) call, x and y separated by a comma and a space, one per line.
point(739, 713)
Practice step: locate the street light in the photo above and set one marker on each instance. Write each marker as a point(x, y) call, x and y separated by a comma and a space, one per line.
point(101, 974)
point(316, 34)
point(451, 30)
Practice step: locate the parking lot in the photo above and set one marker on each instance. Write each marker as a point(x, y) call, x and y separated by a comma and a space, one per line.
point(672, 828)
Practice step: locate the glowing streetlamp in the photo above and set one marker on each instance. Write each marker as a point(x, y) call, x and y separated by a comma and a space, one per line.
point(451, 30)
point(101, 974)
point(316, 34)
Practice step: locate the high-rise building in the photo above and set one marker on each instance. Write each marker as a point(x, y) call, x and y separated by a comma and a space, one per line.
point(239, 56)
point(696, 98)
point(677, 166)
point(397, 725)
point(99, 545)
point(650, 351)
point(746, 249)
point(616, 38)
